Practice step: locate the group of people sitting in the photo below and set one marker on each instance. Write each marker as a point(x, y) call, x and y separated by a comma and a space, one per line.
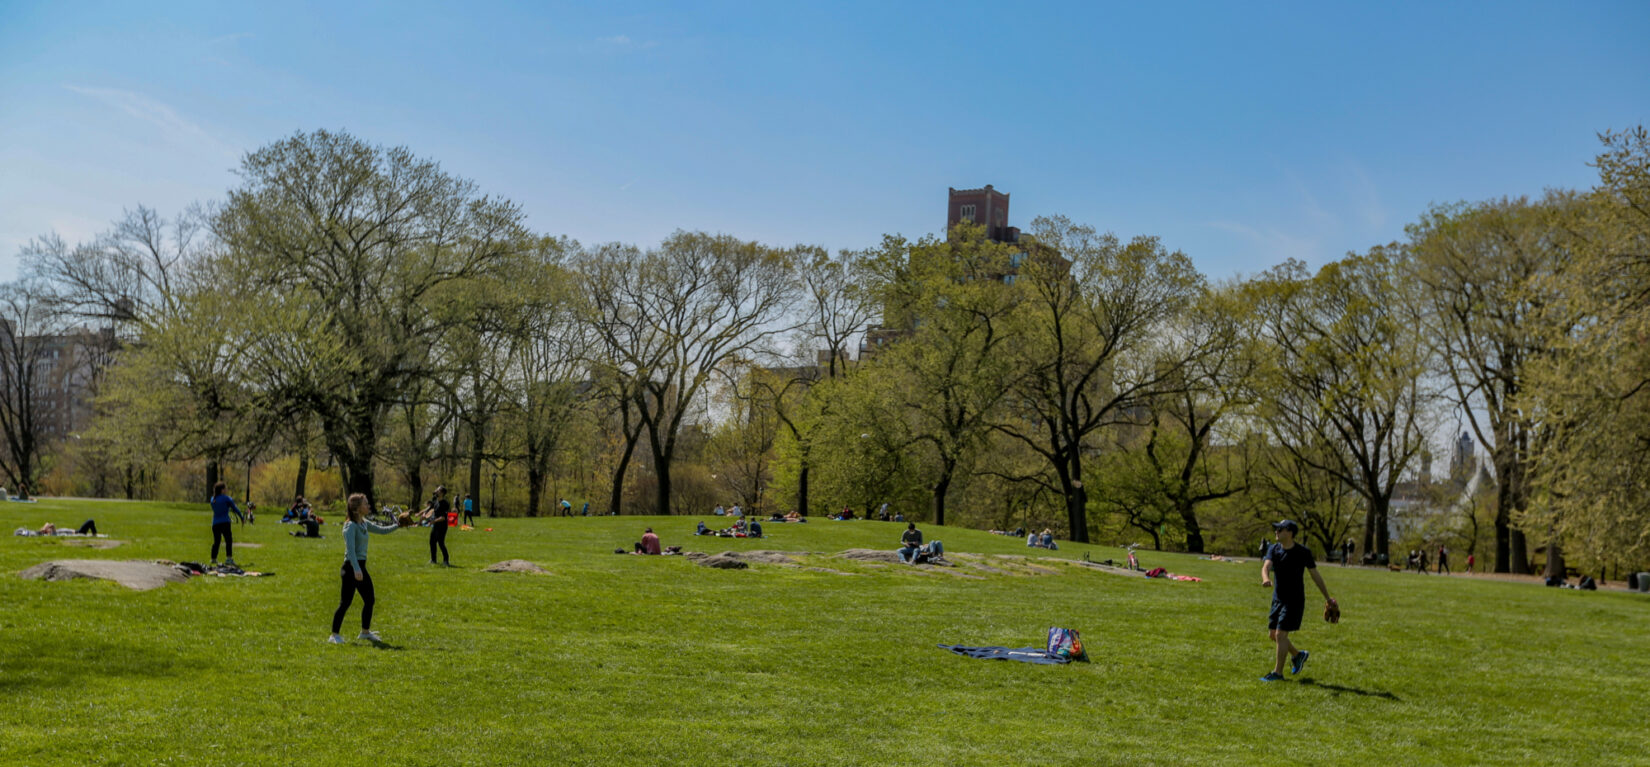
point(1042, 541)
point(301, 513)
point(881, 514)
point(913, 551)
point(740, 529)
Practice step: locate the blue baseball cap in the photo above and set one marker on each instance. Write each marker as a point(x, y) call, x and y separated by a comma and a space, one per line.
point(1287, 524)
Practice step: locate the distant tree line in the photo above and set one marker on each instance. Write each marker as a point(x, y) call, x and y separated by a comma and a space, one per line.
point(354, 309)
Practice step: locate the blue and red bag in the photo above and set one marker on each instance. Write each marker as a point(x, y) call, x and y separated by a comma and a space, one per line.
point(1066, 644)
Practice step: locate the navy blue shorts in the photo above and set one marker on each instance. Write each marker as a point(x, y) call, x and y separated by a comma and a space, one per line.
point(1285, 616)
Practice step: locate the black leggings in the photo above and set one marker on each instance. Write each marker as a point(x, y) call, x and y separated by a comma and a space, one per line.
point(346, 595)
point(222, 532)
point(438, 537)
point(90, 528)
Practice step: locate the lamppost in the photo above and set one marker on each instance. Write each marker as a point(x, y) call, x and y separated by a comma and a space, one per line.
point(492, 508)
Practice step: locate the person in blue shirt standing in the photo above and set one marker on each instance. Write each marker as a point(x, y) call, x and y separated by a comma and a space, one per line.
point(355, 576)
point(222, 507)
point(469, 508)
point(1285, 563)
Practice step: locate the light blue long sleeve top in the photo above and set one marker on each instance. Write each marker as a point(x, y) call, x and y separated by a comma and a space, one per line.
point(355, 540)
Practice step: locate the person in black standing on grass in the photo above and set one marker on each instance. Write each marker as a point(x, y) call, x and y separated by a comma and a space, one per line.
point(437, 514)
point(1286, 563)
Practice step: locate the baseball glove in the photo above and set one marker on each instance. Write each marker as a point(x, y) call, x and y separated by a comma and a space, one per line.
point(1332, 611)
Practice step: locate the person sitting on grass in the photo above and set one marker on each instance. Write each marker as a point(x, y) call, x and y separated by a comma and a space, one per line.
point(754, 530)
point(702, 529)
point(1047, 541)
point(1288, 562)
point(909, 542)
point(649, 544)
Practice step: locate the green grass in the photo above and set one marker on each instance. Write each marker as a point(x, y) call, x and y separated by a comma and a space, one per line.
point(633, 660)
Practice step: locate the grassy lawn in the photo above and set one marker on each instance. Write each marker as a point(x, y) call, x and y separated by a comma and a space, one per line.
point(641, 660)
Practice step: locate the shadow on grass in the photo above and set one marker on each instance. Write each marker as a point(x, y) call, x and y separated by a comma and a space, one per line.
point(377, 645)
point(1338, 689)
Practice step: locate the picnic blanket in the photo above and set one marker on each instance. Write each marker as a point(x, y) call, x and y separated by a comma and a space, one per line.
point(1023, 654)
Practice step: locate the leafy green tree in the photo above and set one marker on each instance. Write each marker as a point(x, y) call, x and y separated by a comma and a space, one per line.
point(954, 369)
point(669, 318)
point(363, 258)
point(1594, 388)
point(1488, 276)
point(1346, 370)
point(1090, 316)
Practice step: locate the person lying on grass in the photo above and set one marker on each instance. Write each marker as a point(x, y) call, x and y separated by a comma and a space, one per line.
point(1288, 562)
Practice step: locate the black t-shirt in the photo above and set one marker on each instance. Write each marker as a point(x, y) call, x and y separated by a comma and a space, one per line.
point(1288, 568)
point(442, 507)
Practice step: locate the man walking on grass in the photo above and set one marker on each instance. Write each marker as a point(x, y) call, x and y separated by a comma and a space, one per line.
point(1285, 562)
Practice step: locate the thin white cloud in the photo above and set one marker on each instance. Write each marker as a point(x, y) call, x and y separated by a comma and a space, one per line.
point(155, 113)
point(1277, 245)
point(624, 41)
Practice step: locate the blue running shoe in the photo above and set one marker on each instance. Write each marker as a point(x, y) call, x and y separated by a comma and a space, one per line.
point(1272, 677)
point(1298, 662)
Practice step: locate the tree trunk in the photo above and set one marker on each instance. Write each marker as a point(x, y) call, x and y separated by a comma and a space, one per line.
point(131, 485)
point(303, 474)
point(1077, 502)
point(211, 477)
point(1555, 560)
point(1382, 507)
point(940, 489)
point(661, 474)
point(535, 487)
point(415, 480)
point(1503, 523)
point(619, 472)
point(1520, 552)
point(802, 488)
point(1194, 534)
point(478, 443)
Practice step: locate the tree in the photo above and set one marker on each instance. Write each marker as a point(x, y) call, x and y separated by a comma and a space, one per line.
point(838, 304)
point(953, 370)
point(362, 257)
point(1487, 275)
point(547, 393)
point(670, 317)
point(1594, 386)
point(30, 362)
point(1093, 312)
point(1346, 367)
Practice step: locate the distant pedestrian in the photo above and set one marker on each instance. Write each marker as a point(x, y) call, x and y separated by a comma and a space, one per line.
point(355, 577)
point(469, 508)
point(437, 514)
point(585, 512)
point(1470, 558)
point(1422, 563)
point(222, 507)
point(1443, 560)
point(566, 508)
point(1285, 564)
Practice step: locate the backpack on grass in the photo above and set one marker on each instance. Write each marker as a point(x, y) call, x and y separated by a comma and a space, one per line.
point(1065, 643)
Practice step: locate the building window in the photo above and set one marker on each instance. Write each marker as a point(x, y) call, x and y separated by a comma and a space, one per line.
point(967, 213)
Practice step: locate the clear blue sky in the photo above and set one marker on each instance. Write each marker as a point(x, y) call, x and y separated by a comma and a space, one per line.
point(1240, 133)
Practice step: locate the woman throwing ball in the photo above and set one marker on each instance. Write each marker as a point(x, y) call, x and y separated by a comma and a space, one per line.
point(354, 572)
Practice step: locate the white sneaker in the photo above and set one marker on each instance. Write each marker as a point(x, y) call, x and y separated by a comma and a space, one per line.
point(370, 636)
point(335, 639)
